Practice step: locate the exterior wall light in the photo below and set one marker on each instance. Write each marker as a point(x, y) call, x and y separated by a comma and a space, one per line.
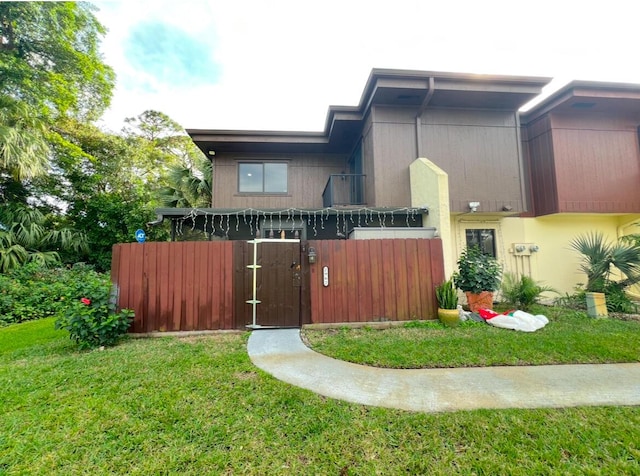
point(312, 255)
point(473, 206)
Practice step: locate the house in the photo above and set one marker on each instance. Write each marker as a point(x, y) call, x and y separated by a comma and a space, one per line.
point(445, 154)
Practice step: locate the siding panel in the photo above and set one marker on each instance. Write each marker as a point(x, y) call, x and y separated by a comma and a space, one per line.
point(308, 175)
point(584, 163)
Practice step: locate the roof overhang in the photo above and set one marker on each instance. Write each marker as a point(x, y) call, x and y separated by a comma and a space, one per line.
point(589, 96)
point(388, 87)
point(451, 90)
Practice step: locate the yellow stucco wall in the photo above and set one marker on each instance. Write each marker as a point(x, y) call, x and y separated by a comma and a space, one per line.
point(430, 189)
point(553, 262)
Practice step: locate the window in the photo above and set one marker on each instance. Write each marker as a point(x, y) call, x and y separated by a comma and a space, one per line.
point(255, 177)
point(485, 239)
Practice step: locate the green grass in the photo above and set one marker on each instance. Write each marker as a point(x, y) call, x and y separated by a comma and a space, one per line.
point(31, 336)
point(570, 337)
point(198, 406)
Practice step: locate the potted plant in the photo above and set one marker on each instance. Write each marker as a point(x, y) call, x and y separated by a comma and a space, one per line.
point(447, 296)
point(478, 276)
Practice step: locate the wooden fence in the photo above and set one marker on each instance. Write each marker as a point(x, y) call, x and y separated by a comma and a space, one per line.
point(184, 286)
point(175, 286)
point(376, 280)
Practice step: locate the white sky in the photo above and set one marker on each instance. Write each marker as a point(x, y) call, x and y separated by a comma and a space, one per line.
point(278, 65)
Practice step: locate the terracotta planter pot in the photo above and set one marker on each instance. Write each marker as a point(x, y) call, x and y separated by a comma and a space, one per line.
point(484, 300)
point(449, 317)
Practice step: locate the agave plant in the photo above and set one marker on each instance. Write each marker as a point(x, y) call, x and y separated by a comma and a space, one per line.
point(600, 259)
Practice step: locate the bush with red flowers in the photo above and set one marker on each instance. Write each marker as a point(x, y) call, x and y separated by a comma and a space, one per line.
point(92, 320)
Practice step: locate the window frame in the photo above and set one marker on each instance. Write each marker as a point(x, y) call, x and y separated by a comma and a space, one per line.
point(478, 230)
point(263, 163)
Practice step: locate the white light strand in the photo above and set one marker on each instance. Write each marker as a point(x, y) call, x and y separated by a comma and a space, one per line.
point(252, 218)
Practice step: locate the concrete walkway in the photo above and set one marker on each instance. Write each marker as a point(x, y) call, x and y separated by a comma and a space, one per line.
point(282, 353)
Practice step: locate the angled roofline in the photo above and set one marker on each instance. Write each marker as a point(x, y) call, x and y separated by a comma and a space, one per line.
point(578, 88)
point(412, 78)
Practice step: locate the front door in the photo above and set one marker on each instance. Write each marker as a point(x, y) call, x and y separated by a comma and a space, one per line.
point(278, 283)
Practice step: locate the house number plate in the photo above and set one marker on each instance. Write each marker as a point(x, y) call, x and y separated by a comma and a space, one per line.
point(325, 276)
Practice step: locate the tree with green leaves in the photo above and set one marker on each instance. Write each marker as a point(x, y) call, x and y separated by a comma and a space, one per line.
point(104, 187)
point(183, 172)
point(52, 72)
point(26, 237)
point(51, 68)
point(600, 260)
point(23, 146)
point(50, 59)
point(188, 187)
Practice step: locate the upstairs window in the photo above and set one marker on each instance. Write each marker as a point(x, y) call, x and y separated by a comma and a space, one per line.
point(256, 177)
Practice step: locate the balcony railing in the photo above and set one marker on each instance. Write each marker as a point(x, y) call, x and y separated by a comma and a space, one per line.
point(344, 189)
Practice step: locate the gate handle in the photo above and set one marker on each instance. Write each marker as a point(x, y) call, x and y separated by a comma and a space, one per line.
point(293, 265)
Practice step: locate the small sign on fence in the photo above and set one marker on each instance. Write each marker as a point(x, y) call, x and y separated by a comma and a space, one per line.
point(141, 236)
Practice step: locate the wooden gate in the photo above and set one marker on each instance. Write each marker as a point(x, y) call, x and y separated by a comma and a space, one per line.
point(277, 280)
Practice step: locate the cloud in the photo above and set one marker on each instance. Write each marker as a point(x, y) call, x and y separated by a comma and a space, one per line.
point(252, 64)
point(169, 55)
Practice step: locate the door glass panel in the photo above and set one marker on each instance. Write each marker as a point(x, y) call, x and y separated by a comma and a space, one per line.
point(484, 239)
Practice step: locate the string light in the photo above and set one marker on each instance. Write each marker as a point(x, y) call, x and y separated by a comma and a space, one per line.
point(252, 217)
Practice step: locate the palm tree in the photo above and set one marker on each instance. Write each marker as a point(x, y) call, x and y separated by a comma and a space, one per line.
point(188, 187)
point(599, 260)
point(24, 237)
point(23, 146)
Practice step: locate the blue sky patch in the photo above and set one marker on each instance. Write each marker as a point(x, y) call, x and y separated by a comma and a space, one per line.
point(171, 55)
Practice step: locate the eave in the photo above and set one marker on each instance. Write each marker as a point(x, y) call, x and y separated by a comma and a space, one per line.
point(589, 96)
point(386, 87)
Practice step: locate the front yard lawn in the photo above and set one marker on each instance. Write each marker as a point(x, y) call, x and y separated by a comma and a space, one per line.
point(570, 337)
point(197, 406)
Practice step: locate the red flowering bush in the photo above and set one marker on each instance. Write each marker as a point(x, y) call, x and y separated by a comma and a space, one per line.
point(94, 322)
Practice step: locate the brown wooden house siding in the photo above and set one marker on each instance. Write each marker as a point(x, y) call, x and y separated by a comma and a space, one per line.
point(308, 175)
point(367, 162)
point(540, 162)
point(394, 149)
point(479, 149)
point(584, 163)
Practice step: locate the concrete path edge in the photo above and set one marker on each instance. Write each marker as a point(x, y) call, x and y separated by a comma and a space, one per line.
point(281, 353)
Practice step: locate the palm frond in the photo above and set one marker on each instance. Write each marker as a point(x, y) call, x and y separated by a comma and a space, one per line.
point(599, 259)
point(24, 150)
